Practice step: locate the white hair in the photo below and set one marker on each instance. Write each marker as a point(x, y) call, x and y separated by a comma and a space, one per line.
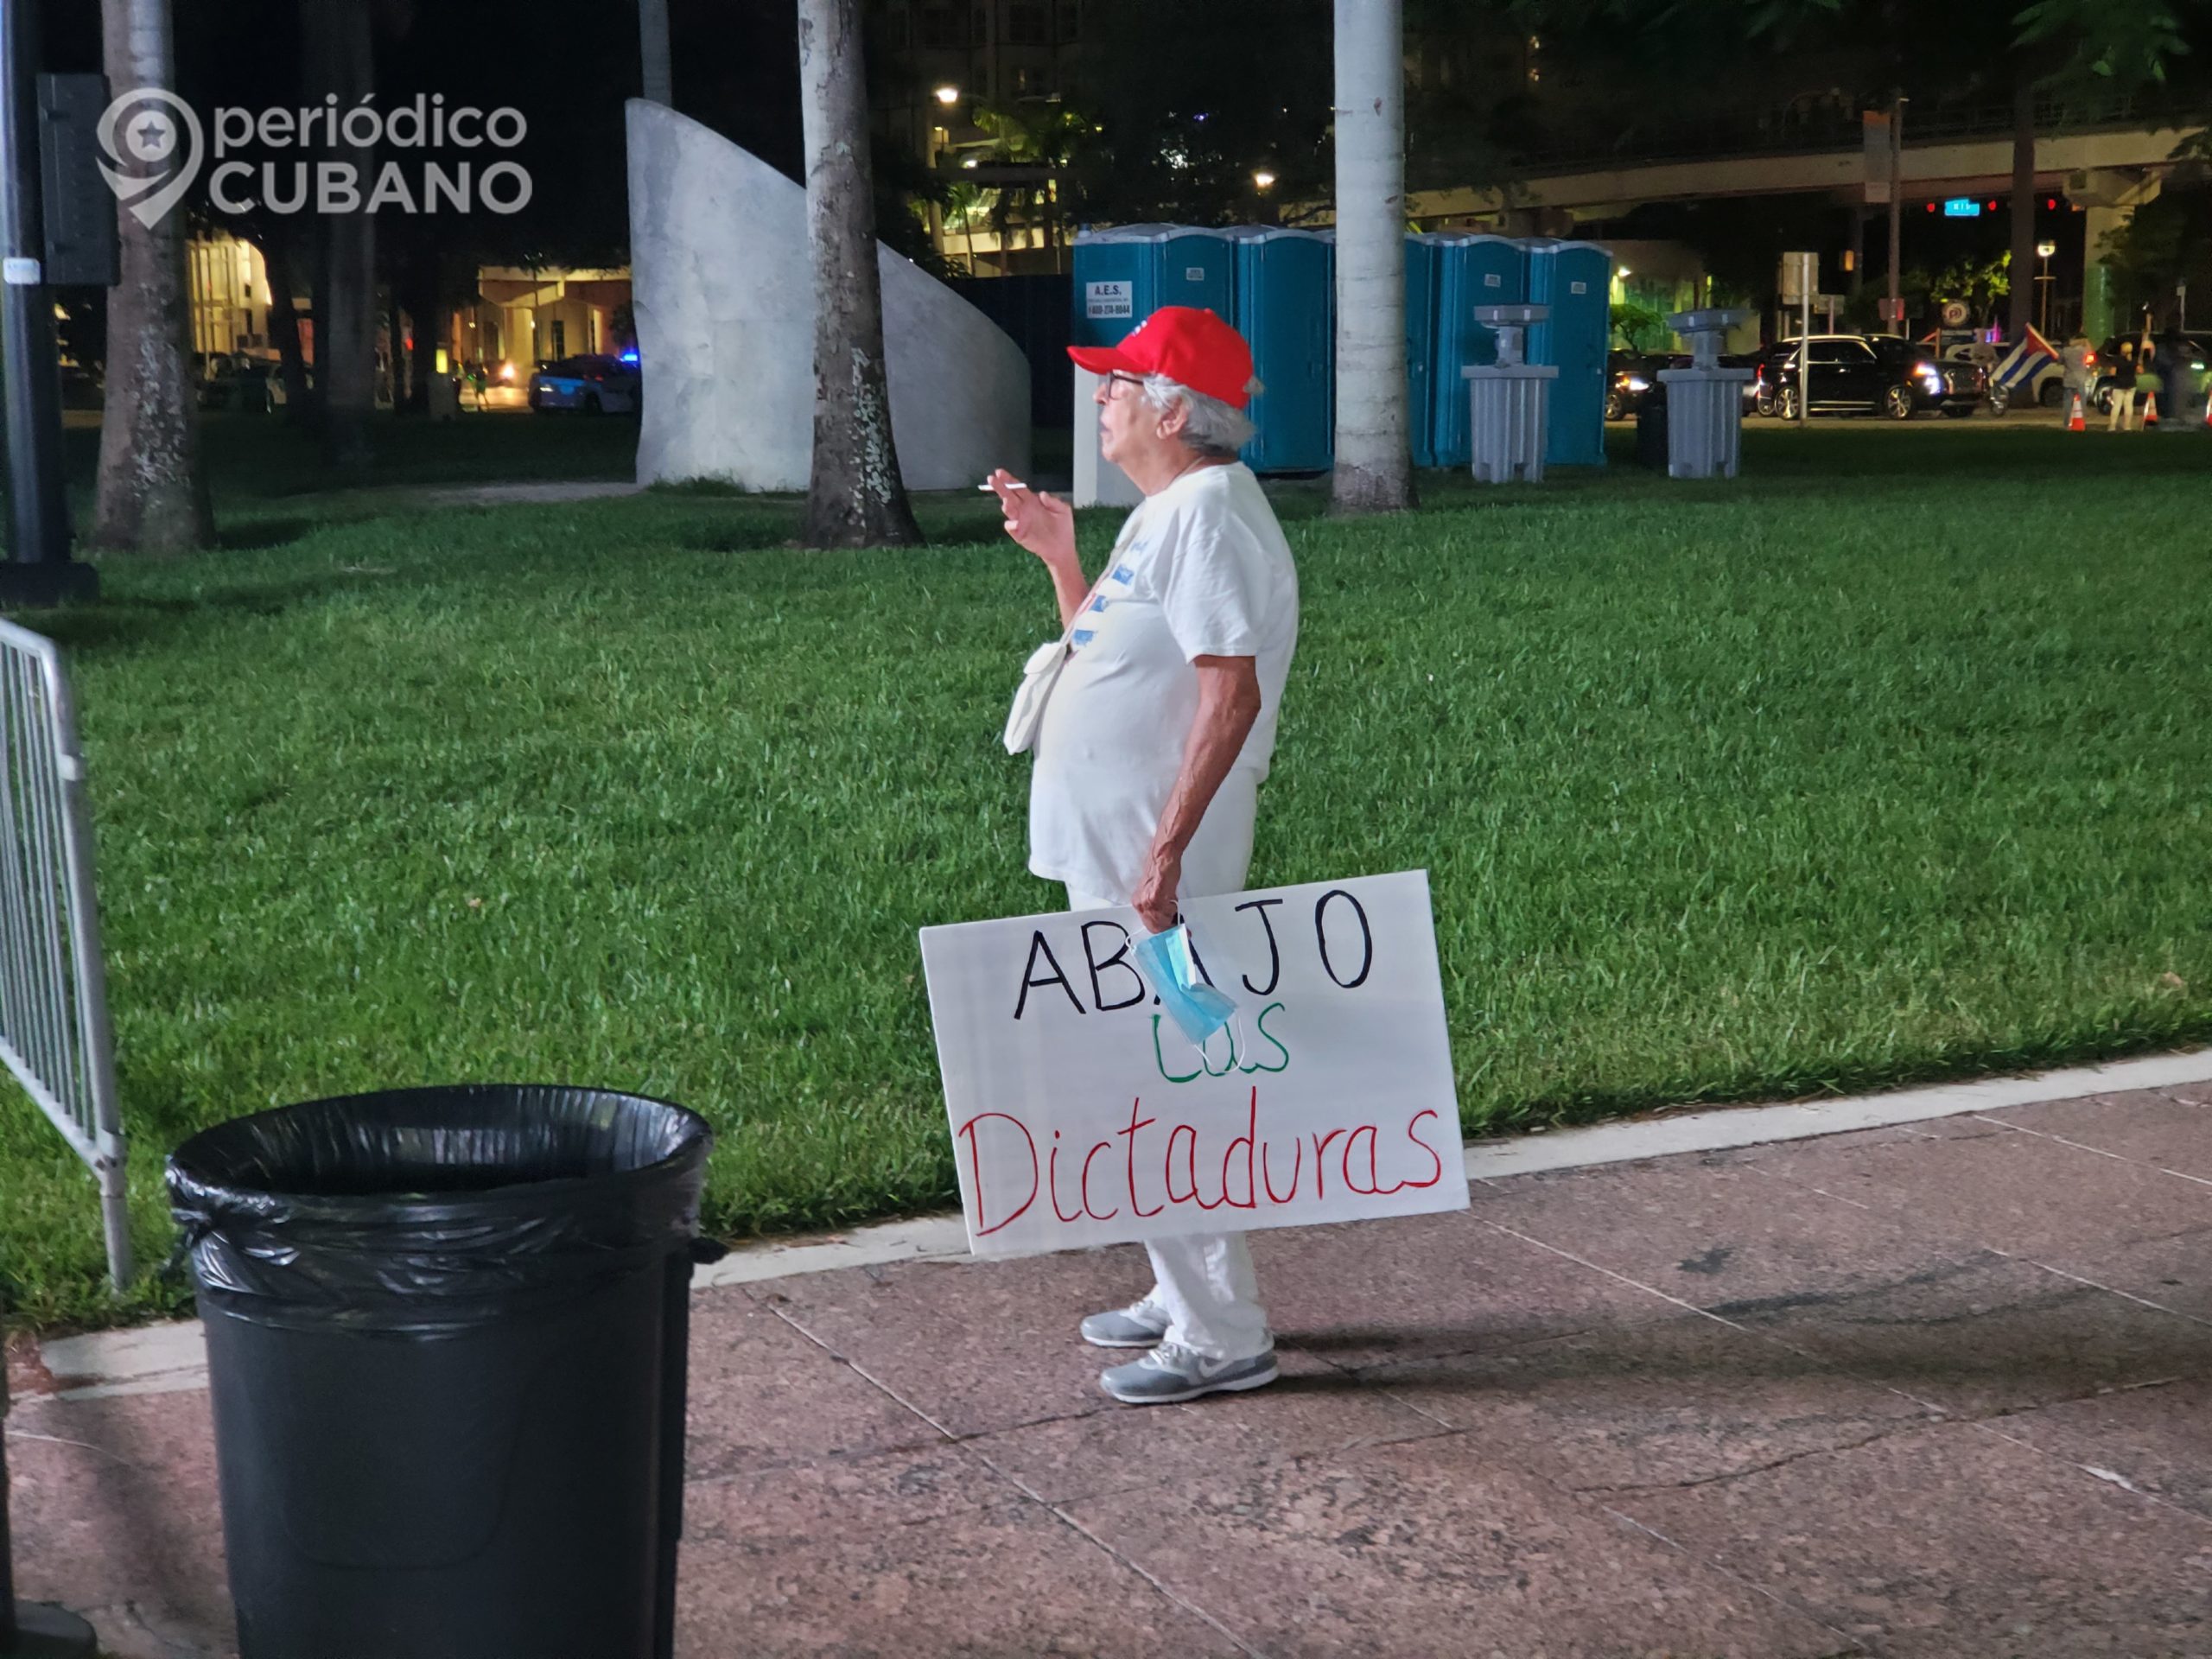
point(1211, 427)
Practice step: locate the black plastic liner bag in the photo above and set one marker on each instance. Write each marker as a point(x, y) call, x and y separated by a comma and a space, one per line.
point(446, 1347)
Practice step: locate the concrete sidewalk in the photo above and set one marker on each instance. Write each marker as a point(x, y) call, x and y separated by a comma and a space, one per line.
point(1936, 1389)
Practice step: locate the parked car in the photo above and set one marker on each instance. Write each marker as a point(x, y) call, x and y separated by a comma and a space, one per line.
point(1755, 362)
point(1856, 374)
point(594, 384)
point(1966, 382)
point(2177, 355)
point(1630, 376)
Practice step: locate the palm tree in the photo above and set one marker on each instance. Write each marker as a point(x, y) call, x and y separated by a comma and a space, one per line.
point(339, 59)
point(965, 203)
point(855, 496)
point(1041, 135)
point(152, 491)
point(652, 50)
point(1373, 470)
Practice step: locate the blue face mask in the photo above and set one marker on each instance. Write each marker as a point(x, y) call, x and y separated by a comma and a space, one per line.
point(1195, 1006)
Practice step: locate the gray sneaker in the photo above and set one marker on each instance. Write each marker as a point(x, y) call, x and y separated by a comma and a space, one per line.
point(1138, 1326)
point(1170, 1373)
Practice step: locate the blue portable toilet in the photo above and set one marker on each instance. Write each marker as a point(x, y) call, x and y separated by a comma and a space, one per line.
point(1575, 280)
point(1286, 310)
point(1473, 271)
point(1424, 256)
point(1125, 273)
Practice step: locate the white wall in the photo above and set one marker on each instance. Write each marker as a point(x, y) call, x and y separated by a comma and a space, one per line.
point(724, 293)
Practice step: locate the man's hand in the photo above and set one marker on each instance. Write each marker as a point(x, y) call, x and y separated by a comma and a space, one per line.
point(1041, 522)
point(1156, 895)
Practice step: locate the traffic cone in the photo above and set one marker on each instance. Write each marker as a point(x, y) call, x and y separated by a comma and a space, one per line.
point(2149, 410)
point(2074, 421)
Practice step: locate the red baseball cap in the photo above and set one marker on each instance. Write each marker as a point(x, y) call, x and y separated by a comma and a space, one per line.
point(1192, 347)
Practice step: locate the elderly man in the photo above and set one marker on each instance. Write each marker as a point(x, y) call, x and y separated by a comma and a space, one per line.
point(1156, 738)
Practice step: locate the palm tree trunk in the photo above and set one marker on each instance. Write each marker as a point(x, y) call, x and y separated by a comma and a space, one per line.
point(394, 326)
point(152, 489)
point(426, 315)
point(277, 250)
point(652, 44)
point(1373, 470)
point(855, 497)
point(338, 49)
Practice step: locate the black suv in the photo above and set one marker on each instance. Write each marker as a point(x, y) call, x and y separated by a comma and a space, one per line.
point(1857, 374)
point(1631, 377)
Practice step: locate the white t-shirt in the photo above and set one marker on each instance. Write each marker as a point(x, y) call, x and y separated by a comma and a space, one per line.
point(1200, 570)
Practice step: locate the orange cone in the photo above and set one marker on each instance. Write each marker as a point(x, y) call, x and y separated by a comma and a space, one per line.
point(2149, 410)
point(2074, 421)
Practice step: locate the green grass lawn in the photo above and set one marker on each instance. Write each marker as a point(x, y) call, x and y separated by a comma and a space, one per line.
point(1886, 762)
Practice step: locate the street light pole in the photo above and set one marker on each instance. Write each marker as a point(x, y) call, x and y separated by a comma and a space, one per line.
point(40, 571)
point(2043, 250)
point(1896, 211)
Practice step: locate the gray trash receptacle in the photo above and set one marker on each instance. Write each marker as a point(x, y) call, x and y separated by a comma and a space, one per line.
point(1508, 411)
point(445, 1340)
point(1705, 402)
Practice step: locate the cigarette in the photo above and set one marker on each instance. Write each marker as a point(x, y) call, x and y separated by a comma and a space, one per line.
point(988, 488)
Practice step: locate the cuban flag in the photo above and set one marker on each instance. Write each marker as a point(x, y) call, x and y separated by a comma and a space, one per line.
point(2026, 359)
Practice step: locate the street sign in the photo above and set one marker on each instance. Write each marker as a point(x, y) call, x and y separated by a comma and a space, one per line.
point(1799, 276)
point(81, 250)
point(1955, 313)
point(1961, 207)
point(1874, 126)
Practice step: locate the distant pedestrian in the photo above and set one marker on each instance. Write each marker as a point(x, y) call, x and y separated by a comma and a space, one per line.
point(2123, 389)
point(478, 380)
point(2078, 359)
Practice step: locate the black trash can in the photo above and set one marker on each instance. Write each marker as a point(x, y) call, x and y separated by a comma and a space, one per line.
point(446, 1347)
point(1651, 428)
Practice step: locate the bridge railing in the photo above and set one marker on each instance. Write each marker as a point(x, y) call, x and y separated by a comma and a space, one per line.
point(1799, 131)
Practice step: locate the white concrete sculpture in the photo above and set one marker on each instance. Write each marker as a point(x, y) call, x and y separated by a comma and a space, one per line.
point(724, 303)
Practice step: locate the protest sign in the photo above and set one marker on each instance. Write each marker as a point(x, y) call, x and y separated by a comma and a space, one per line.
point(1081, 1116)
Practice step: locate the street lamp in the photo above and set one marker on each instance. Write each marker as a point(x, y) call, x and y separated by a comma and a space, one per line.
point(2043, 250)
point(1263, 178)
point(948, 96)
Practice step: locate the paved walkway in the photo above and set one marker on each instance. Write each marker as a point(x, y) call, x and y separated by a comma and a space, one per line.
point(1936, 1390)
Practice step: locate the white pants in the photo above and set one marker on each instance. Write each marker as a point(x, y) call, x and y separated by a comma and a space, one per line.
point(2123, 409)
point(1203, 1285)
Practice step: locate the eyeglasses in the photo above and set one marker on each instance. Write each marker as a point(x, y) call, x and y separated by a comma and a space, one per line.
point(1120, 378)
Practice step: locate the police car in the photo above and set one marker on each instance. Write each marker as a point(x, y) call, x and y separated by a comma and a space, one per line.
point(593, 384)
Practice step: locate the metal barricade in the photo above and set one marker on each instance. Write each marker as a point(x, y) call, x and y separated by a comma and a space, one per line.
point(53, 1025)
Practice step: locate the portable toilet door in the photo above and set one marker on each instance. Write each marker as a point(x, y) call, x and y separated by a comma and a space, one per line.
point(1575, 280)
point(1473, 271)
point(1286, 310)
point(1116, 281)
point(1197, 268)
point(1423, 256)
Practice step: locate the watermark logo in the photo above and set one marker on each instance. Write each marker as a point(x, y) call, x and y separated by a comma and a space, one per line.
point(316, 158)
point(157, 131)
